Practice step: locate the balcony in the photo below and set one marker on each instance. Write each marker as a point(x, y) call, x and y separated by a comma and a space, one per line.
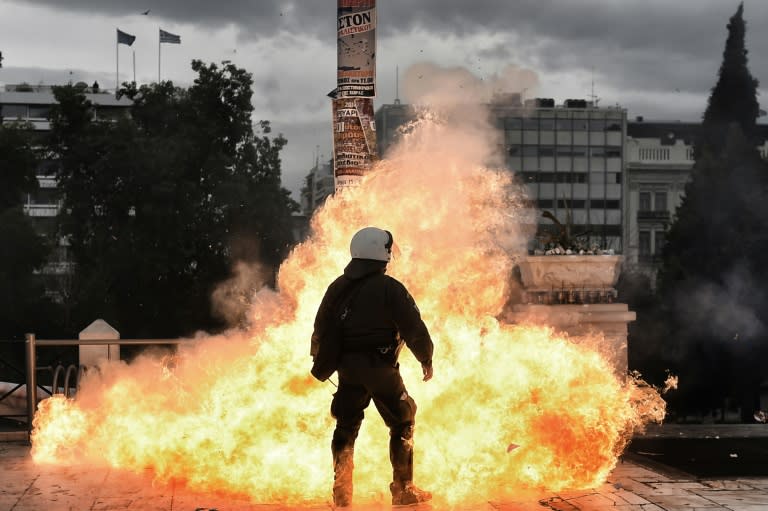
point(41, 210)
point(58, 268)
point(659, 216)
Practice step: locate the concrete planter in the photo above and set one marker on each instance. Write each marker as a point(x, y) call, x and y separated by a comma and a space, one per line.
point(570, 271)
point(575, 294)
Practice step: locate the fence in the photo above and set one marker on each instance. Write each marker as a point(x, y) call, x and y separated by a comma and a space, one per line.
point(69, 371)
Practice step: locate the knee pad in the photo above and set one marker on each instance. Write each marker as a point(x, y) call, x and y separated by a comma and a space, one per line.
point(403, 433)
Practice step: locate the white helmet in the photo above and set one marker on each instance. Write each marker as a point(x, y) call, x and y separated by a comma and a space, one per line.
point(371, 243)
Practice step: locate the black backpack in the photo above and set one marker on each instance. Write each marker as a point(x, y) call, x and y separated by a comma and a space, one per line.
point(326, 361)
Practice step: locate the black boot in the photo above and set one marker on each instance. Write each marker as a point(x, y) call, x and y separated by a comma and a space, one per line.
point(343, 467)
point(405, 493)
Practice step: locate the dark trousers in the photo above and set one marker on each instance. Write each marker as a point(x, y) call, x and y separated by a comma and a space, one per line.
point(364, 377)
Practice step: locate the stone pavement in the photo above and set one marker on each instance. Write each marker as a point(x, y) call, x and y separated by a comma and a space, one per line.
point(631, 487)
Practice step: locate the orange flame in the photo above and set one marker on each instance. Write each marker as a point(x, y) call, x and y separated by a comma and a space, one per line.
point(509, 406)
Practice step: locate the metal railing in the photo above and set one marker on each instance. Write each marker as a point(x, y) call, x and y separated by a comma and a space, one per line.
point(31, 345)
point(662, 215)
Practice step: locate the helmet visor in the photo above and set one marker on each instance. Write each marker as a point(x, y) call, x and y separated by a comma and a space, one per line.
point(392, 249)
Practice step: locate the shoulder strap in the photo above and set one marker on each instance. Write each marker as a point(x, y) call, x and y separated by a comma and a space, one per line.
point(348, 296)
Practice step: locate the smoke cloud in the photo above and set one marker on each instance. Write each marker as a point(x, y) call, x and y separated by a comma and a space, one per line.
point(440, 87)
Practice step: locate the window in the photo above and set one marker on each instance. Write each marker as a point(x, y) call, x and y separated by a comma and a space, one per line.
point(579, 150)
point(545, 203)
point(660, 201)
point(10, 112)
point(644, 243)
point(597, 151)
point(546, 177)
point(531, 123)
point(44, 196)
point(546, 150)
point(513, 123)
point(514, 150)
point(618, 178)
point(580, 125)
point(596, 125)
point(564, 125)
point(645, 201)
point(530, 150)
point(658, 241)
point(546, 124)
point(613, 152)
point(529, 177)
point(603, 204)
point(570, 204)
point(39, 111)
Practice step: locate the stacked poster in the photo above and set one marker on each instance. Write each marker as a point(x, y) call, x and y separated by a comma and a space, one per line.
point(354, 128)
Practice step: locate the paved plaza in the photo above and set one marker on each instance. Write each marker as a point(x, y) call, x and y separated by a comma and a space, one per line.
point(631, 487)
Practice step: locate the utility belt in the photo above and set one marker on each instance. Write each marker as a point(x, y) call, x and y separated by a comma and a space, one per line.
point(381, 350)
point(385, 354)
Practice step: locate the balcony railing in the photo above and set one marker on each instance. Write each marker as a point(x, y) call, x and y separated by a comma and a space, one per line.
point(653, 215)
point(41, 210)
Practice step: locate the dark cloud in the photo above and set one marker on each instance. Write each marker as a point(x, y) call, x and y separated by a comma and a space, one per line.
point(255, 19)
point(656, 44)
point(677, 25)
point(657, 58)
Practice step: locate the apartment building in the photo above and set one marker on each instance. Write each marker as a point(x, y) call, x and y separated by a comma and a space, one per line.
point(571, 158)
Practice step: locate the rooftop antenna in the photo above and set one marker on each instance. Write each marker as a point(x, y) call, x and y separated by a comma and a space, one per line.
point(595, 99)
point(397, 85)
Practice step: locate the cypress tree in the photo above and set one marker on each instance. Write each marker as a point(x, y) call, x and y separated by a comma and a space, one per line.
point(711, 281)
point(734, 97)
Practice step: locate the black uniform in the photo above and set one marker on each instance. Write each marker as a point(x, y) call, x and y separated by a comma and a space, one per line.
point(381, 316)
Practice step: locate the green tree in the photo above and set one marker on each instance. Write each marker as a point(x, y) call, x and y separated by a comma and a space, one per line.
point(712, 278)
point(734, 97)
point(17, 164)
point(23, 304)
point(157, 203)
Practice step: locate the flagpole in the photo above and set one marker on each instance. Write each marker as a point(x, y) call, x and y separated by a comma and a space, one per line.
point(117, 63)
point(158, 56)
point(134, 67)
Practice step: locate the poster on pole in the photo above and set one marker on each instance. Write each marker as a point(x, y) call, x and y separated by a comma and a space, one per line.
point(356, 46)
point(354, 140)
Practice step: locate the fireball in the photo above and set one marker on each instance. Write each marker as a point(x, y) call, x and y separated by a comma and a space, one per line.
point(510, 407)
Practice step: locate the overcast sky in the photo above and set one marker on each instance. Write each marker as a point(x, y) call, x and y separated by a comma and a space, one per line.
point(656, 58)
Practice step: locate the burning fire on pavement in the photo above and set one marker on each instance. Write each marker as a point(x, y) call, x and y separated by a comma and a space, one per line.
point(510, 406)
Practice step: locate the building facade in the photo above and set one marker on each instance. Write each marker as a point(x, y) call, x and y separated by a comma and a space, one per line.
point(571, 158)
point(318, 185)
point(659, 161)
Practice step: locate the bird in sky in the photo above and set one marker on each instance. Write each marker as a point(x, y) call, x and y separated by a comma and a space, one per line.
point(146, 12)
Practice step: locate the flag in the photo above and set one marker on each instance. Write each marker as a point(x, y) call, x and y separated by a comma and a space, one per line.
point(123, 38)
point(167, 37)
